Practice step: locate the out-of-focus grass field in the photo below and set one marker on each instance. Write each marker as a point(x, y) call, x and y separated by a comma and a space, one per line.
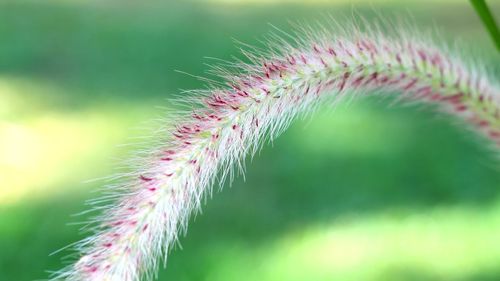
point(363, 192)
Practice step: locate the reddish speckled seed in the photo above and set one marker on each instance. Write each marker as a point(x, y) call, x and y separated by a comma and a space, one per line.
point(344, 79)
point(144, 178)
point(332, 52)
point(411, 84)
point(303, 58)
point(454, 99)
point(372, 78)
point(316, 49)
point(358, 80)
point(483, 123)
point(92, 269)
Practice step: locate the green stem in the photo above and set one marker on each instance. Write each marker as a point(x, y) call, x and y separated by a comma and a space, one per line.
point(488, 20)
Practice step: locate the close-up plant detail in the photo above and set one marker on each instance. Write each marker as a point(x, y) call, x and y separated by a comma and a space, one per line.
point(143, 215)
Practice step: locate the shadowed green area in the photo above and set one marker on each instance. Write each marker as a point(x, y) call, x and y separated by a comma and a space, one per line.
point(362, 192)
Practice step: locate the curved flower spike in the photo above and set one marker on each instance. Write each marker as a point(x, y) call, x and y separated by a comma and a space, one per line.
point(259, 100)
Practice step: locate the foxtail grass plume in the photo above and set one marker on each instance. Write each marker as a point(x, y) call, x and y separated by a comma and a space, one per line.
point(144, 214)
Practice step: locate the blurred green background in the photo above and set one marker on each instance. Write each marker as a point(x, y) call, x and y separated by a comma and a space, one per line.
point(363, 192)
